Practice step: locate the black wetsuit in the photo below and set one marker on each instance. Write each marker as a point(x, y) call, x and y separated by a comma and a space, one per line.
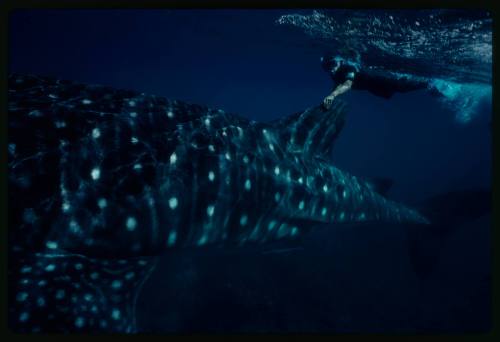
point(376, 82)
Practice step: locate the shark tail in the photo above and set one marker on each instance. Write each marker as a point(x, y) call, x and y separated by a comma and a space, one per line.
point(447, 213)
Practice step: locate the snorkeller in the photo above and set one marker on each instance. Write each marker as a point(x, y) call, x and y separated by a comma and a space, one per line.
point(348, 74)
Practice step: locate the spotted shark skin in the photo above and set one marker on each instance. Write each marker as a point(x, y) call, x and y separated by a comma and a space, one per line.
point(101, 181)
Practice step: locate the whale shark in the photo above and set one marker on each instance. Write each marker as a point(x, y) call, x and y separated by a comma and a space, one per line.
point(102, 181)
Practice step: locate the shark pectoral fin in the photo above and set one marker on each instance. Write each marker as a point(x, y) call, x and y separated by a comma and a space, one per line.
point(73, 293)
point(380, 185)
point(313, 131)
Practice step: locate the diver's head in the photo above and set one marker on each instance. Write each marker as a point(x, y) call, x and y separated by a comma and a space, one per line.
point(331, 63)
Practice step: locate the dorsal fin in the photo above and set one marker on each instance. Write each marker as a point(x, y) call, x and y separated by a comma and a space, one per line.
point(313, 131)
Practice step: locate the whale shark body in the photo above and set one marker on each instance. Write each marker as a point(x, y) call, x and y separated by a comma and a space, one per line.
point(101, 181)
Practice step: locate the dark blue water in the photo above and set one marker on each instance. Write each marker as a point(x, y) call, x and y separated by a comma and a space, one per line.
point(343, 279)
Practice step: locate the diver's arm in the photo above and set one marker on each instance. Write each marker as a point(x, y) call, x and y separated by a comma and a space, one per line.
point(342, 88)
point(339, 90)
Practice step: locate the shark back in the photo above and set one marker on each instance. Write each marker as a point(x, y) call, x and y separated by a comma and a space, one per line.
point(87, 162)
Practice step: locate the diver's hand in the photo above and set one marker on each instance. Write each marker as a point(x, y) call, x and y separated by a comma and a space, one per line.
point(327, 102)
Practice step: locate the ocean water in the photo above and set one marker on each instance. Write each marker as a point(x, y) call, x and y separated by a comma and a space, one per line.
point(263, 65)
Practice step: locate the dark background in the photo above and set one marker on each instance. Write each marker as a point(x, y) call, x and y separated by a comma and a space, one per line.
point(344, 279)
